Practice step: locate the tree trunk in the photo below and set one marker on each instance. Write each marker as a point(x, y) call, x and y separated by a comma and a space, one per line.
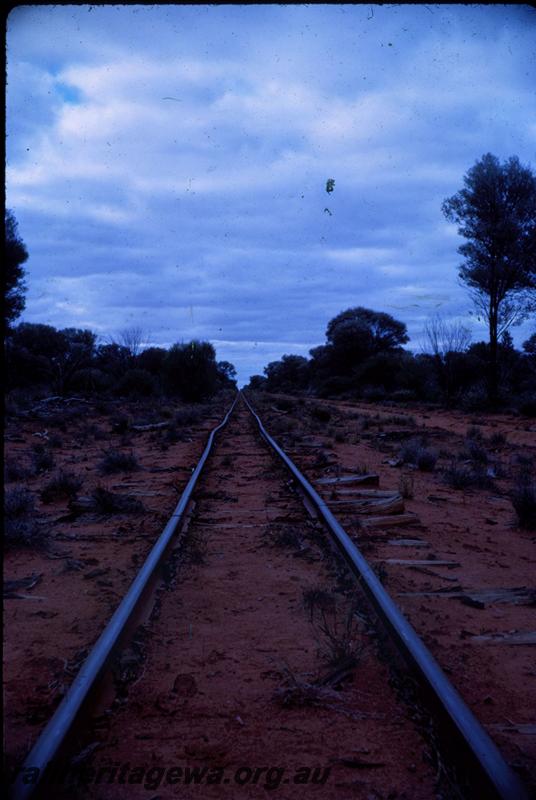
point(493, 366)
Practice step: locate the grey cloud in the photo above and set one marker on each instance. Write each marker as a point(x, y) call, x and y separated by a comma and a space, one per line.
point(205, 216)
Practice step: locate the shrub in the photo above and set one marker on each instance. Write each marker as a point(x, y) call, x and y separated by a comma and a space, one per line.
point(474, 432)
point(137, 383)
point(374, 393)
point(459, 476)
point(527, 405)
point(475, 451)
point(426, 459)
point(497, 439)
point(120, 423)
point(314, 599)
point(285, 404)
point(16, 471)
point(343, 646)
point(186, 416)
point(110, 503)
point(403, 396)
point(172, 435)
point(115, 461)
point(413, 452)
point(43, 459)
point(405, 486)
point(409, 451)
point(284, 536)
point(524, 502)
point(63, 485)
point(321, 414)
point(475, 399)
point(20, 529)
point(55, 441)
point(19, 502)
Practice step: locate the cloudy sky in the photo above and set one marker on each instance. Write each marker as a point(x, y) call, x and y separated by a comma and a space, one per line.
point(167, 165)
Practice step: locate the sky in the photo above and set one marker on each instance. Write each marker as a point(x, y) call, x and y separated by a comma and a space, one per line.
point(167, 164)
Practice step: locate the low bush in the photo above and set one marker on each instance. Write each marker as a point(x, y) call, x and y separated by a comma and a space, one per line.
point(16, 471)
point(186, 416)
point(462, 476)
point(20, 528)
point(474, 432)
point(111, 503)
point(91, 432)
point(373, 393)
point(285, 403)
point(62, 485)
point(137, 383)
point(426, 459)
point(116, 461)
point(314, 599)
point(475, 451)
point(497, 439)
point(19, 502)
point(527, 405)
point(413, 452)
point(403, 396)
point(405, 486)
point(120, 423)
point(475, 399)
point(284, 536)
point(342, 646)
point(524, 503)
point(43, 459)
point(320, 414)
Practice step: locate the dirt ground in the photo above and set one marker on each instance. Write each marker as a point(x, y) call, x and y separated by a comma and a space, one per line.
point(69, 566)
point(86, 548)
point(474, 608)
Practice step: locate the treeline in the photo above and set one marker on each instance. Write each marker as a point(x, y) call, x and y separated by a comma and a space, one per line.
point(42, 359)
point(364, 358)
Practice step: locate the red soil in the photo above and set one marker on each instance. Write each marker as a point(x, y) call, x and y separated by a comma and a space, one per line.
point(474, 528)
point(216, 656)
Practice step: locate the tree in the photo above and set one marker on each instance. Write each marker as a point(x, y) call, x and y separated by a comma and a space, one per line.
point(15, 256)
point(190, 370)
point(447, 341)
point(290, 374)
point(370, 331)
point(496, 213)
point(257, 383)
point(40, 353)
point(357, 334)
point(133, 339)
point(152, 359)
point(529, 346)
point(226, 374)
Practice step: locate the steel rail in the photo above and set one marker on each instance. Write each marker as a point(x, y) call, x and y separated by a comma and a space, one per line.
point(54, 734)
point(499, 780)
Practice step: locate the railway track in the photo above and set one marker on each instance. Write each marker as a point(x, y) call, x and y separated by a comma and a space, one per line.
point(223, 674)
